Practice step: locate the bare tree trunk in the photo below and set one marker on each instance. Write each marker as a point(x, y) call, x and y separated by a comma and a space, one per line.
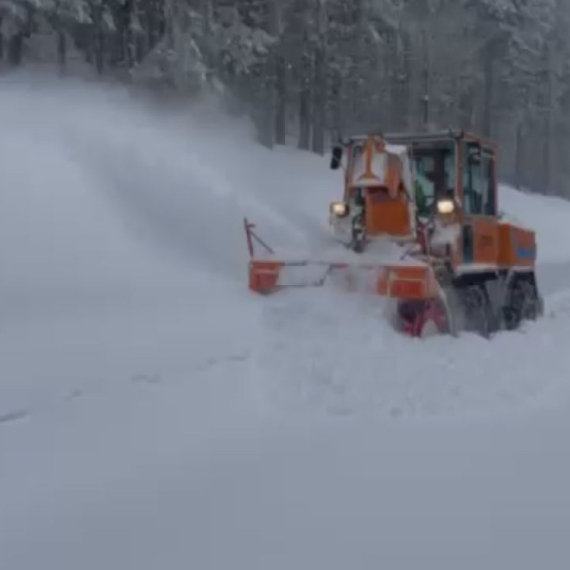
point(336, 106)
point(546, 180)
point(15, 48)
point(319, 104)
point(155, 21)
point(61, 50)
point(405, 112)
point(519, 156)
point(281, 111)
point(426, 83)
point(546, 157)
point(271, 78)
point(278, 85)
point(129, 55)
point(489, 71)
point(320, 75)
point(98, 38)
point(305, 104)
point(466, 109)
point(266, 125)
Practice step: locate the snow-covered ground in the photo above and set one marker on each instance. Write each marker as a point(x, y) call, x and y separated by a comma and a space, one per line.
point(156, 415)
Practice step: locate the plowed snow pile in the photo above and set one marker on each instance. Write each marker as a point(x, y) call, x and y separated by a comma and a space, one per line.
point(155, 414)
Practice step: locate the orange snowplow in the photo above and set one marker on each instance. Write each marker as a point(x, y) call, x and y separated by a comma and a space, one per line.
point(418, 223)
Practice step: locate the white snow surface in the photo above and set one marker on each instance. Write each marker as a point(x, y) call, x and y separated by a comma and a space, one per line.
point(546, 215)
point(154, 414)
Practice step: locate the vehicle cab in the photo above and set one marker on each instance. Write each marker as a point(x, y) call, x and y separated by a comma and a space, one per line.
point(455, 184)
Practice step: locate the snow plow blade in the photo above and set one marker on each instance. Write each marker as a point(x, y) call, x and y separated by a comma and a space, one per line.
point(393, 281)
point(267, 275)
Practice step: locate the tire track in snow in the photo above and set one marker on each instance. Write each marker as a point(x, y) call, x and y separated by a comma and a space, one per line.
point(13, 416)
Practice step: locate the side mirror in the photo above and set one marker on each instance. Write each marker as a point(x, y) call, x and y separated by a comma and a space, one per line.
point(336, 157)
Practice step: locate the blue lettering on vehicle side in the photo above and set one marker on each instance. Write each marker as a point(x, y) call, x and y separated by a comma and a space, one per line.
point(526, 252)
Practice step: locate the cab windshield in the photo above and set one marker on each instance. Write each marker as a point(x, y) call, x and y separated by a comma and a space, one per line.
point(434, 170)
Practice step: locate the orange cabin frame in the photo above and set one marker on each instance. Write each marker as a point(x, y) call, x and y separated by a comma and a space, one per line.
point(482, 242)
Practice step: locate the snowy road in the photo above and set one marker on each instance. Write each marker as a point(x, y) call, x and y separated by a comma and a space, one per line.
point(154, 415)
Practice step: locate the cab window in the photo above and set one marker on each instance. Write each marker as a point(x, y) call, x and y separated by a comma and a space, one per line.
point(434, 169)
point(425, 175)
point(478, 182)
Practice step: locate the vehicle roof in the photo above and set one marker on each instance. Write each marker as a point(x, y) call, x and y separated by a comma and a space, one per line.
point(411, 138)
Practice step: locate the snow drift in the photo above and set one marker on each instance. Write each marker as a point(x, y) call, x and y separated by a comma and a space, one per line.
point(154, 413)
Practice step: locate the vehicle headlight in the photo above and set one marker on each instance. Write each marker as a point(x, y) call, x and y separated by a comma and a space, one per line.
point(339, 209)
point(445, 206)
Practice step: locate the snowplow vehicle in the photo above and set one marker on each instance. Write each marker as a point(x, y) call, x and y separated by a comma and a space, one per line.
point(418, 223)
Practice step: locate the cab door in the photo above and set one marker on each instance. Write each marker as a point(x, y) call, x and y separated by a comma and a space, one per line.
point(480, 231)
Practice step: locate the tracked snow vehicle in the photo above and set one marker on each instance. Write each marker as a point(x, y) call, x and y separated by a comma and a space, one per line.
point(419, 223)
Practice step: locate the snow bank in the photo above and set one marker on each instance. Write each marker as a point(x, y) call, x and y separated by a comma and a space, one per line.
point(548, 216)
